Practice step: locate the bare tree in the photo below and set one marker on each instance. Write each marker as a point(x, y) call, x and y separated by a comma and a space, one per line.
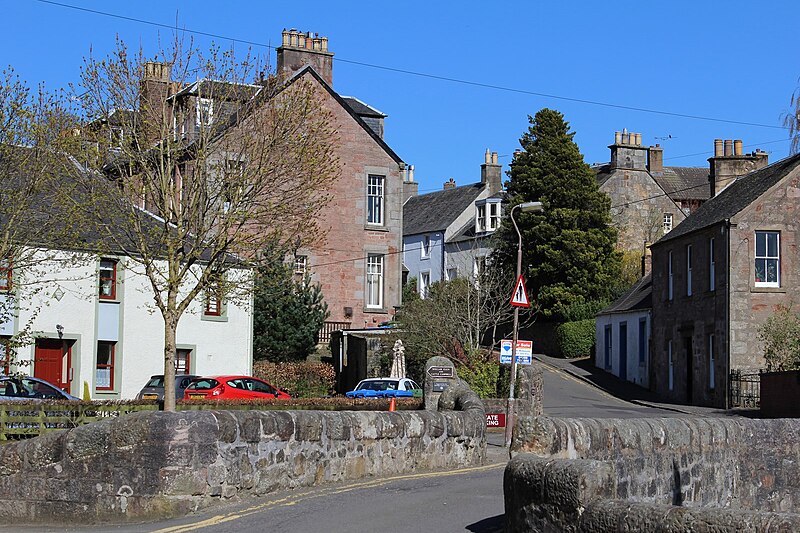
point(204, 161)
point(32, 237)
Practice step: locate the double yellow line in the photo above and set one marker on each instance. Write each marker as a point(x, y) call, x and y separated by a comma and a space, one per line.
point(294, 499)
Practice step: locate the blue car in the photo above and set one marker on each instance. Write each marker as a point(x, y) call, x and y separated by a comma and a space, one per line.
point(385, 388)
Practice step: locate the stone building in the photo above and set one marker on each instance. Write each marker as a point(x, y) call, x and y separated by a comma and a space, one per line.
point(719, 275)
point(649, 199)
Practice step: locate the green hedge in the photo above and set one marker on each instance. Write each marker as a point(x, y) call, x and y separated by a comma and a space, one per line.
point(576, 339)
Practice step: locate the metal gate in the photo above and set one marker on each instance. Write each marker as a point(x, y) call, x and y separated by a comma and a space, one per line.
point(745, 389)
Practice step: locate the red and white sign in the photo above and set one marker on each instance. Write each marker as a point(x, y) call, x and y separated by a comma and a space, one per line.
point(519, 298)
point(495, 420)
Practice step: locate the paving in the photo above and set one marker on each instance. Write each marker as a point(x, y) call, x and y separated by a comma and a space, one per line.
point(584, 369)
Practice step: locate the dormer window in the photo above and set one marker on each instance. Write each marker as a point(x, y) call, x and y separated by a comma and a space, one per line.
point(487, 216)
point(494, 215)
point(205, 112)
point(480, 221)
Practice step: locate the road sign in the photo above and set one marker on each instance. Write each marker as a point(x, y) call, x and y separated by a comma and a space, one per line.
point(519, 298)
point(495, 420)
point(524, 352)
point(440, 372)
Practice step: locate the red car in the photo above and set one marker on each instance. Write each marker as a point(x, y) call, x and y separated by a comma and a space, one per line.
point(232, 388)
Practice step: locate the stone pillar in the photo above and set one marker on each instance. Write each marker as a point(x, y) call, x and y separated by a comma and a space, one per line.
point(440, 373)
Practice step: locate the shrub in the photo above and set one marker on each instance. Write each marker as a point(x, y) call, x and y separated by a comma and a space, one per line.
point(303, 379)
point(481, 375)
point(576, 339)
point(781, 337)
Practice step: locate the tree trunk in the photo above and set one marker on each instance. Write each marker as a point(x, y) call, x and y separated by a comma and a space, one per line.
point(170, 328)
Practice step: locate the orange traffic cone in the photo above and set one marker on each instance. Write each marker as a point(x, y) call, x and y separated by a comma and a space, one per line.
point(392, 404)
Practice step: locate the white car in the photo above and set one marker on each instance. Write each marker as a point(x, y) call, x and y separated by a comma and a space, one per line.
point(385, 388)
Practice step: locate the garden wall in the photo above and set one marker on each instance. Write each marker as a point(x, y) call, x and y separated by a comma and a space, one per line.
point(591, 474)
point(157, 464)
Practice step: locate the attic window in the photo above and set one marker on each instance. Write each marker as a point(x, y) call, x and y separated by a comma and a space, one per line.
point(205, 112)
point(494, 215)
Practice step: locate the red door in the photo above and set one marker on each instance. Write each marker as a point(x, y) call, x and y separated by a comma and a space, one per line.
point(52, 362)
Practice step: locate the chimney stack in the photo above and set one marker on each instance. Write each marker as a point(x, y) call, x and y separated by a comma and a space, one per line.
point(155, 88)
point(655, 159)
point(299, 49)
point(410, 187)
point(491, 173)
point(451, 184)
point(647, 259)
point(729, 163)
point(627, 151)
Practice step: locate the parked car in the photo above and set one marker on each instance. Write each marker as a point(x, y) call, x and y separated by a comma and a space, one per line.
point(154, 389)
point(232, 388)
point(385, 388)
point(30, 388)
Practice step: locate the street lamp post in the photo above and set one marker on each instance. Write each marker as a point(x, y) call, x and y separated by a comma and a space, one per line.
point(524, 207)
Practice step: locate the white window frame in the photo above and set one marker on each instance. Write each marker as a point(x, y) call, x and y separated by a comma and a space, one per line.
point(424, 283)
point(493, 214)
point(712, 266)
point(711, 385)
point(375, 199)
point(374, 280)
point(425, 249)
point(688, 270)
point(480, 218)
point(669, 275)
point(668, 222)
point(206, 119)
point(767, 258)
point(300, 264)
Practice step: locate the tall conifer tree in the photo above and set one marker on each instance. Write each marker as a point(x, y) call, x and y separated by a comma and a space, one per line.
point(569, 251)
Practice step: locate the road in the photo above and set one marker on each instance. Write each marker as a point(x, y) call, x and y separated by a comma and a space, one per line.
point(469, 499)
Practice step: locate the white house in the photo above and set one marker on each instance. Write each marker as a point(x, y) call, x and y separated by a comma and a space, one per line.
point(622, 334)
point(92, 320)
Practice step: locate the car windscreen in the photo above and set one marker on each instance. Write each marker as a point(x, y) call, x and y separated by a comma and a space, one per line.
point(156, 381)
point(378, 385)
point(203, 384)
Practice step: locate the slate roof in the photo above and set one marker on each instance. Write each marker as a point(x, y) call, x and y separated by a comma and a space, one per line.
point(734, 198)
point(437, 210)
point(361, 108)
point(684, 183)
point(638, 297)
point(219, 89)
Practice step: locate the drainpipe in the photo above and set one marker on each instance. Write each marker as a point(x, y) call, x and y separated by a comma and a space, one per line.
point(728, 313)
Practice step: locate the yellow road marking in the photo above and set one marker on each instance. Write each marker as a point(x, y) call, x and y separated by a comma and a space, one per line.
point(294, 499)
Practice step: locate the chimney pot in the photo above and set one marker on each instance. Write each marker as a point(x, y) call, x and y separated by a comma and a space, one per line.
point(494, 158)
point(638, 139)
point(717, 147)
point(728, 147)
point(411, 173)
point(487, 157)
point(737, 147)
point(617, 137)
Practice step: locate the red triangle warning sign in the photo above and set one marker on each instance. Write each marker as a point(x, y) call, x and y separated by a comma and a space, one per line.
point(519, 298)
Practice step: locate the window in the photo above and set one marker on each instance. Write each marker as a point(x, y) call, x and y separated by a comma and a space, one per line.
point(670, 369)
point(426, 246)
point(104, 370)
point(205, 112)
point(711, 362)
point(712, 266)
point(494, 216)
point(424, 283)
point(689, 270)
point(768, 261)
point(108, 279)
point(480, 218)
point(667, 222)
point(5, 275)
point(232, 190)
point(642, 341)
point(608, 347)
point(669, 275)
point(213, 305)
point(300, 265)
point(183, 361)
point(375, 200)
point(375, 281)
point(452, 273)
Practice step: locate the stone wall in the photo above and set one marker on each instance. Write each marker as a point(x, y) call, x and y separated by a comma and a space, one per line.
point(158, 464)
point(739, 467)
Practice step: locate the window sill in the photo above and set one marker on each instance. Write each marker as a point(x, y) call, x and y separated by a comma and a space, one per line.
point(375, 310)
point(109, 300)
point(779, 290)
point(214, 318)
point(375, 227)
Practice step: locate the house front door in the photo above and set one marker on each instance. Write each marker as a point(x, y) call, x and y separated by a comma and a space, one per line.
point(52, 362)
point(623, 351)
point(688, 349)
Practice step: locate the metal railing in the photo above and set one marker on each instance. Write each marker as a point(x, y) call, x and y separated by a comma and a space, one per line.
point(745, 389)
point(330, 327)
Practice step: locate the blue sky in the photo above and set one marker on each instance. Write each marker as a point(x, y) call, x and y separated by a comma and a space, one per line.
point(730, 60)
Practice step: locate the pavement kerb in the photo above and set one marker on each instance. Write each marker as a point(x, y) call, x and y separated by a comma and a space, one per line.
point(581, 377)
